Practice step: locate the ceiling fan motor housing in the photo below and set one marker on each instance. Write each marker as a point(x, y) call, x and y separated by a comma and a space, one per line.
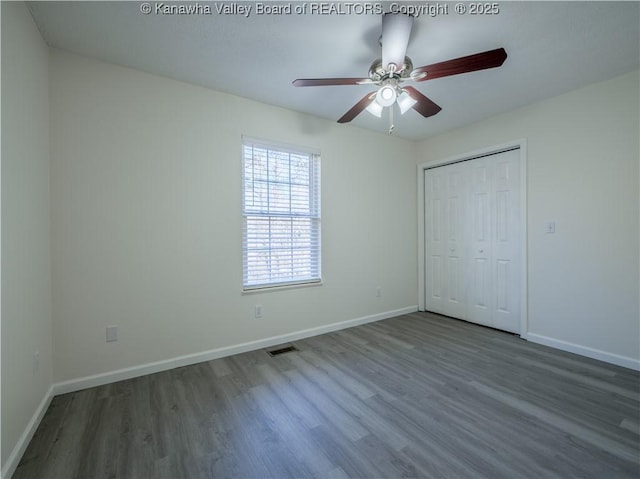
point(378, 72)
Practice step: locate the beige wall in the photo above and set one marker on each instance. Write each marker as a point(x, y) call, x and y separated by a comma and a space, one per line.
point(26, 276)
point(582, 154)
point(146, 219)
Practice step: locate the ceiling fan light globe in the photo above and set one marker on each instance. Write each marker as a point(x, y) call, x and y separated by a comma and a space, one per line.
point(405, 102)
point(386, 96)
point(375, 109)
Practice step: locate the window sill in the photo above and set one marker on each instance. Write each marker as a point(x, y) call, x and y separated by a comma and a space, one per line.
point(267, 289)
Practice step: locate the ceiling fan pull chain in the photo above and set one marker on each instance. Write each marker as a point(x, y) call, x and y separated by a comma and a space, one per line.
point(391, 125)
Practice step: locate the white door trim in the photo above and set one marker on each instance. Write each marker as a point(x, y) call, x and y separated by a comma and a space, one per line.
point(522, 145)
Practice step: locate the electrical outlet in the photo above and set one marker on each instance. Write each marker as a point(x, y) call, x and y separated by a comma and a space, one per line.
point(257, 312)
point(378, 292)
point(112, 333)
point(551, 227)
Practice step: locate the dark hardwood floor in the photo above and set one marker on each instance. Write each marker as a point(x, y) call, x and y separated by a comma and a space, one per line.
point(419, 395)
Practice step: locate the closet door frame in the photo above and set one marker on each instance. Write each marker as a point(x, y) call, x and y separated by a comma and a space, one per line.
point(422, 267)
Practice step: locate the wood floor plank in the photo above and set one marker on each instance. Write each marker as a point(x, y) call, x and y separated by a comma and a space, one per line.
point(358, 410)
point(419, 395)
point(333, 413)
point(293, 433)
point(342, 452)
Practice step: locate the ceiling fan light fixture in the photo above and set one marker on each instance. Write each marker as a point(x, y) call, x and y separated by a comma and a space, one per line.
point(386, 96)
point(395, 67)
point(405, 102)
point(375, 109)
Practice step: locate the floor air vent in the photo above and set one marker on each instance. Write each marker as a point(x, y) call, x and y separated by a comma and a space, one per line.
point(285, 349)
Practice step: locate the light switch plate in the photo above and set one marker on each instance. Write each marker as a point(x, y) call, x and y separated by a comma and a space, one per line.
point(112, 333)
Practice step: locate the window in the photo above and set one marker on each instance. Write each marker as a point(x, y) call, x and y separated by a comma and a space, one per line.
point(281, 215)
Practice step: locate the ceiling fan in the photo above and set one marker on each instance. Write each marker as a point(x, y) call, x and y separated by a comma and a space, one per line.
point(394, 68)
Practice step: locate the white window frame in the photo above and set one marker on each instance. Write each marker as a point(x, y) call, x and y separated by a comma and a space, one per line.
point(263, 246)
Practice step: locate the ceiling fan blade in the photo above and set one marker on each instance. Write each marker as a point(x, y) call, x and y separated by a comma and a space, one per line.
point(357, 108)
point(396, 29)
point(424, 106)
point(330, 81)
point(471, 63)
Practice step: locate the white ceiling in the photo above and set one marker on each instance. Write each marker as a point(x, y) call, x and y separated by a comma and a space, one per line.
point(553, 47)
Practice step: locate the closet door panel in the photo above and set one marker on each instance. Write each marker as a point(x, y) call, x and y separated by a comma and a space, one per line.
point(479, 245)
point(445, 204)
point(435, 197)
point(506, 243)
point(456, 199)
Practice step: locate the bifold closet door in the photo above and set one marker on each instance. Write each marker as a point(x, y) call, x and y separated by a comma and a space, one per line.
point(445, 242)
point(494, 241)
point(472, 240)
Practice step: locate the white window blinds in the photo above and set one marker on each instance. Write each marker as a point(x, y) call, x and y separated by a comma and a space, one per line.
point(281, 215)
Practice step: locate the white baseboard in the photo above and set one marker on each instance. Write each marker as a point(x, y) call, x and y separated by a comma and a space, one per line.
point(149, 368)
point(158, 366)
point(585, 351)
point(16, 454)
